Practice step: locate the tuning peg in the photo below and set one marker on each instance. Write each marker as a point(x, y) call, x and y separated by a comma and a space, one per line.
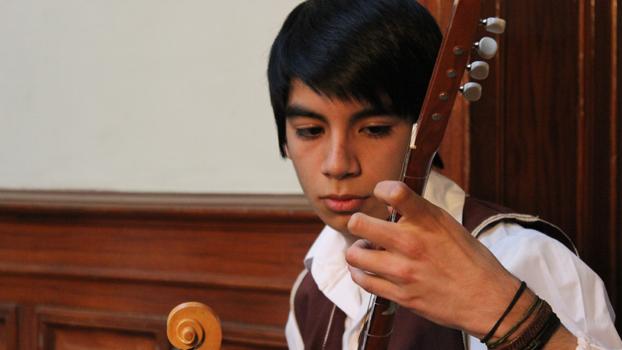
point(471, 91)
point(494, 25)
point(486, 47)
point(478, 70)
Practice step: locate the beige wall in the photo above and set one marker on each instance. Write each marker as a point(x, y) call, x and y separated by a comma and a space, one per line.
point(139, 95)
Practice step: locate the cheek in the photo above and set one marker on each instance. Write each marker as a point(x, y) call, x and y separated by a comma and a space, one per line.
point(385, 168)
point(386, 161)
point(303, 162)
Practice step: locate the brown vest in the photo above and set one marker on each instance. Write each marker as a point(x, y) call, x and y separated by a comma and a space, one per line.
point(313, 310)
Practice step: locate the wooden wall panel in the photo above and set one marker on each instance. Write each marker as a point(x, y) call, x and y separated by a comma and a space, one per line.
point(548, 143)
point(110, 267)
point(8, 327)
point(70, 338)
point(67, 329)
point(537, 132)
point(598, 229)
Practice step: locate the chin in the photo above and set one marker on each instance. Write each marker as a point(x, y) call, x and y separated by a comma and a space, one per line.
point(337, 222)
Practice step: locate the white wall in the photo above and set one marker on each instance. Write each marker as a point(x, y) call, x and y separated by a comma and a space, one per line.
point(139, 95)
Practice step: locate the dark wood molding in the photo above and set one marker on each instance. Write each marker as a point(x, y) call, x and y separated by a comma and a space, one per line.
point(155, 205)
point(198, 279)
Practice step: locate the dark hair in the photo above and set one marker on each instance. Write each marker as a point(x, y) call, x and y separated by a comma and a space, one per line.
point(368, 50)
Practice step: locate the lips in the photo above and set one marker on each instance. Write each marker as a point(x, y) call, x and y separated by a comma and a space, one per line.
point(344, 204)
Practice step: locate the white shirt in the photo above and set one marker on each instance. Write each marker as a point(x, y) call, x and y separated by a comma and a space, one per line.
point(574, 291)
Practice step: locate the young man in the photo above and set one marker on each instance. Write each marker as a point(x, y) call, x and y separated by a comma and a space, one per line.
point(347, 79)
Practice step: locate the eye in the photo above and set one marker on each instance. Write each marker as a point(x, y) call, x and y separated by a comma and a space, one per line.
point(377, 130)
point(309, 132)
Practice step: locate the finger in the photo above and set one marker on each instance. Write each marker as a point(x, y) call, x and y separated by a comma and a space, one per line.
point(399, 196)
point(375, 285)
point(384, 264)
point(366, 244)
point(380, 232)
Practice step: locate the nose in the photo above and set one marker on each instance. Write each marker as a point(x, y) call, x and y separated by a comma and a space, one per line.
point(340, 160)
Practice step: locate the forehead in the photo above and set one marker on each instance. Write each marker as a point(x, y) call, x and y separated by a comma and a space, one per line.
point(301, 93)
point(306, 101)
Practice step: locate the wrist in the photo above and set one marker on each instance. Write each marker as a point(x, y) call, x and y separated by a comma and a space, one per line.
point(535, 329)
point(495, 303)
point(518, 319)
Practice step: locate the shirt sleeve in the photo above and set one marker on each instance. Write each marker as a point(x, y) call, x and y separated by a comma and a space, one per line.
point(583, 344)
point(576, 294)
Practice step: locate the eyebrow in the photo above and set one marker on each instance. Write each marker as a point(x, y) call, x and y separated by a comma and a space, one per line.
point(295, 110)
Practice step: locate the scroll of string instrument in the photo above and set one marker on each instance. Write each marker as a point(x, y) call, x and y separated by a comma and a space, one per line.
point(452, 61)
point(193, 326)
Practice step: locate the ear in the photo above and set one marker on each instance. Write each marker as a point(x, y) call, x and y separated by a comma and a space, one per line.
point(286, 151)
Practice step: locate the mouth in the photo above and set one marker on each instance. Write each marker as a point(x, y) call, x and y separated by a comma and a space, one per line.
point(344, 204)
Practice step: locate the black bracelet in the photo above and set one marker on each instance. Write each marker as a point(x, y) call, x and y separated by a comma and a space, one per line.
point(519, 292)
point(549, 328)
point(539, 331)
point(535, 307)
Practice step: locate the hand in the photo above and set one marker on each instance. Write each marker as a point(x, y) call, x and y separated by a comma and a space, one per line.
point(430, 264)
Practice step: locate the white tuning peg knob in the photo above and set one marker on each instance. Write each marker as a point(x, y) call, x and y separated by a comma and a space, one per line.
point(471, 91)
point(478, 70)
point(494, 25)
point(486, 47)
